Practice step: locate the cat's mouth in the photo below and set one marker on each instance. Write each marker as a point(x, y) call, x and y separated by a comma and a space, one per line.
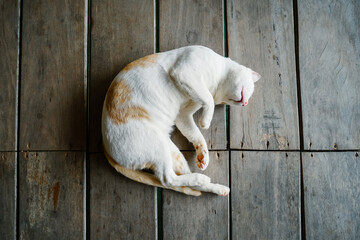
point(236, 101)
point(240, 101)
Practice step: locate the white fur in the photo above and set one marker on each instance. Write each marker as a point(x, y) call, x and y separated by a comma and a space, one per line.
point(171, 90)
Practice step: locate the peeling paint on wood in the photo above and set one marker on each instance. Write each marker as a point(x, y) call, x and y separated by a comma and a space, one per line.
point(51, 190)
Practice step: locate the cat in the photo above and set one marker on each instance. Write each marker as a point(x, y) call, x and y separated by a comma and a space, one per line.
point(154, 93)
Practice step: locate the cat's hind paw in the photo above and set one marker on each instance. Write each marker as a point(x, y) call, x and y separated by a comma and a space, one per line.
point(202, 156)
point(221, 190)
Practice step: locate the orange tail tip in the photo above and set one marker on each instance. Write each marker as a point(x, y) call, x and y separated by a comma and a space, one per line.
point(147, 178)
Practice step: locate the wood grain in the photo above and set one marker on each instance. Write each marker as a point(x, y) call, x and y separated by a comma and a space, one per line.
point(121, 32)
point(204, 217)
point(52, 112)
point(265, 195)
point(119, 208)
point(7, 195)
point(261, 37)
point(332, 195)
point(51, 195)
point(8, 65)
point(183, 23)
point(329, 45)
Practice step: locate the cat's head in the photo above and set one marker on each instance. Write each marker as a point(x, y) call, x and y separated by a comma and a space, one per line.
point(239, 86)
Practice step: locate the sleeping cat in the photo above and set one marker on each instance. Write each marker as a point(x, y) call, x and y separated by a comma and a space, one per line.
point(155, 92)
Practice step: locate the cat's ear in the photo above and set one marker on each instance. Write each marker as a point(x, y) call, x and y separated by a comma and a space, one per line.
point(255, 76)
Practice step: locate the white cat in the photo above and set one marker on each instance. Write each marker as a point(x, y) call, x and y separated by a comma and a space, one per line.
point(155, 92)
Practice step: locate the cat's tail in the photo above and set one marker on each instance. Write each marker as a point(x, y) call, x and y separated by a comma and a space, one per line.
point(147, 178)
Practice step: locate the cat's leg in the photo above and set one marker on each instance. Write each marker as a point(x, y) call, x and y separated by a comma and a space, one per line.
point(169, 178)
point(180, 165)
point(218, 189)
point(165, 170)
point(192, 84)
point(186, 125)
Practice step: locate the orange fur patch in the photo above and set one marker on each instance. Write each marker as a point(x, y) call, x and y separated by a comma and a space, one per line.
point(143, 62)
point(177, 163)
point(116, 97)
point(149, 166)
point(118, 92)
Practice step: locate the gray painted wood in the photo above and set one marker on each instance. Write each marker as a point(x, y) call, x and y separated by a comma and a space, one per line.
point(261, 37)
point(265, 195)
point(183, 23)
point(203, 217)
point(51, 195)
point(7, 195)
point(332, 195)
point(53, 106)
point(329, 42)
point(8, 62)
point(119, 208)
point(121, 32)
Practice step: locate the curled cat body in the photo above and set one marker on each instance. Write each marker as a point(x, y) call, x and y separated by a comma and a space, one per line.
point(154, 93)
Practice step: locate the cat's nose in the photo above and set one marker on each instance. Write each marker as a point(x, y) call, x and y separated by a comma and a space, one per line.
point(244, 104)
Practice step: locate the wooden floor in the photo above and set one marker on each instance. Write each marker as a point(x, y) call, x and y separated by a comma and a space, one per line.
point(291, 157)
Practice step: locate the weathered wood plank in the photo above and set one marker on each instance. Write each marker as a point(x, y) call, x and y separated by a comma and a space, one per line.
point(51, 195)
point(204, 217)
point(7, 195)
point(121, 31)
point(329, 45)
point(52, 112)
point(261, 36)
point(119, 208)
point(265, 195)
point(8, 63)
point(183, 23)
point(332, 195)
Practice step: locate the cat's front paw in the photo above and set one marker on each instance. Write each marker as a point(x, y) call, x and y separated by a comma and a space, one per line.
point(202, 156)
point(205, 123)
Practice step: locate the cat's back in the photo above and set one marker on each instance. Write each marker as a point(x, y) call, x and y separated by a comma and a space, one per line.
point(166, 60)
point(143, 89)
